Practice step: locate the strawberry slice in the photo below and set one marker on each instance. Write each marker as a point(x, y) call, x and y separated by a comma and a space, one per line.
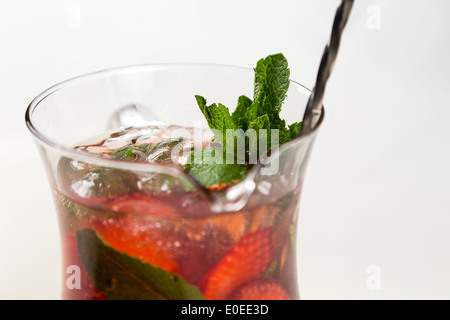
point(150, 241)
point(220, 186)
point(71, 257)
point(138, 203)
point(246, 260)
point(260, 289)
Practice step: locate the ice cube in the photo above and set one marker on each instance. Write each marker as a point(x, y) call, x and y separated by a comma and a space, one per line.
point(168, 150)
point(82, 181)
point(176, 143)
point(125, 138)
point(200, 137)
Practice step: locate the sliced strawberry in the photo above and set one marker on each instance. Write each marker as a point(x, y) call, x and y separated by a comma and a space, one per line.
point(247, 260)
point(260, 289)
point(221, 186)
point(71, 257)
point(138, 203)
point(150, 241)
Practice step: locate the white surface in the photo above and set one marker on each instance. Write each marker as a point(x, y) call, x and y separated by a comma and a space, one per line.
point(378, 185)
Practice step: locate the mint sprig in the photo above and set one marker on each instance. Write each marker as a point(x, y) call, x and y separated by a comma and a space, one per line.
point(252, 121)
point(121, 277)
point(210, 173)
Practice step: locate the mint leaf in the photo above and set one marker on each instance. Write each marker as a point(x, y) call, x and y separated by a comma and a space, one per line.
point(121, 277)
point(202, 164)
point(261, 115)
point(218, 117)
point(284, 135)
point(262, 122)
point(287, 134)
point(262, 134)
point(271, 84)
point(239, 115)
point(133, 152)
point(294, 129)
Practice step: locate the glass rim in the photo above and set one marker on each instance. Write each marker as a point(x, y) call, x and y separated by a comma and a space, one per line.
point(116, 163)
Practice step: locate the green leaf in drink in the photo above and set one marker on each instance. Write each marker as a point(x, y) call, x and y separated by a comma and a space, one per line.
point(202, 164)
point(121, 277)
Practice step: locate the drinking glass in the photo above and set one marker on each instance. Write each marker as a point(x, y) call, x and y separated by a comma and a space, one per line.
point(133, 230)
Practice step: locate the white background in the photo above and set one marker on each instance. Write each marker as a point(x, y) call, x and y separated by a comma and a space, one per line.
point(378, 186)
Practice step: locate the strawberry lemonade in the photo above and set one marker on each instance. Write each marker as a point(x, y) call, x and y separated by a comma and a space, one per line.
point(150, 238)
point(170, 209)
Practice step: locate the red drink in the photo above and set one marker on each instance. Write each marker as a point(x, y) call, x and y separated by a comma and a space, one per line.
point(140, 221)
point(128, 235)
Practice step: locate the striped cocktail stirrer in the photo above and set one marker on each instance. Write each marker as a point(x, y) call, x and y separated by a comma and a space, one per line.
point(314, 107)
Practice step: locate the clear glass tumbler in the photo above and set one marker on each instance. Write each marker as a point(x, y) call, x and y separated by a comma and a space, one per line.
point(147, 231)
